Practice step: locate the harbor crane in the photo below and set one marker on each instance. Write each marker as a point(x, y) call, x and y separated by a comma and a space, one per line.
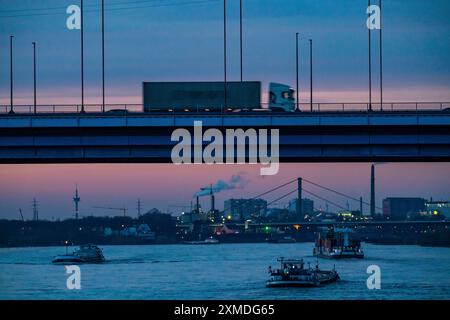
point(124, 210)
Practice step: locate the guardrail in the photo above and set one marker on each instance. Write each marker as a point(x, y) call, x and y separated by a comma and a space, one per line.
point(303, 107)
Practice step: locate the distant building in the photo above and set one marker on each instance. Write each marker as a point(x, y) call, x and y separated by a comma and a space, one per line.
point(307, 206)
point(214, 216)
point(242, 209)
point(108, 232)
point(144, 232)
point(192, 216)
point(438, 208)
point(129, 232)
point(350, 215)
point(401, 208)
point(323, 216)
point(279, 215)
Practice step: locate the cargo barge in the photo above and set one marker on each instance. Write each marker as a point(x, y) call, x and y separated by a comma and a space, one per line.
point(335, 243)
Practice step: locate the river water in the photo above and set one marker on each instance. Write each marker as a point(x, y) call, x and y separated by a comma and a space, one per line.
point(223, 271)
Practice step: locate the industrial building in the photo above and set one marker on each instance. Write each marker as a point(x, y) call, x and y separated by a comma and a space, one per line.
point(438, 208)
point(307, 206)
point(401, 208)
point(242, 209)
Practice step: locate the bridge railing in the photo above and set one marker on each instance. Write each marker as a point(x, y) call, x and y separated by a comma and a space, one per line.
point(316, 107)
point(71, 108)
point(364, 107)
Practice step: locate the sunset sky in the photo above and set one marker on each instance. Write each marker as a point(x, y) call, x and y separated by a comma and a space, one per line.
point(171, 40)
point(181, 40)
point(120, 185)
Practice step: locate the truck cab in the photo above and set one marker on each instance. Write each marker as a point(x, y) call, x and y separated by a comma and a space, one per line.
point(281, 97)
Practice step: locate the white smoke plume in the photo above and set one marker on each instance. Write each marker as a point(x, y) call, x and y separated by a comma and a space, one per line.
point(235, 182)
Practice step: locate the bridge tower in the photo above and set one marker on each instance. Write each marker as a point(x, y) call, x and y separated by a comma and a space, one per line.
point(299, 208)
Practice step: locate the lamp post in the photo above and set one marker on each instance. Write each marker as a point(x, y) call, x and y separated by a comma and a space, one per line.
point(370, 65)
point(103, 55)
point(225, 51)
point(11, 73)
point(381, 61)
point(82, 58)
point(311, 72)
point(34, 76)
point(241, 37)
point(296, 72)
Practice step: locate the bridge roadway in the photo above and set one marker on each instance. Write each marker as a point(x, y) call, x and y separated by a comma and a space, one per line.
point(145, 138)
point(347, 223)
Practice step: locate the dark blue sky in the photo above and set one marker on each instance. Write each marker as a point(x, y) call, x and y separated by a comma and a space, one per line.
point(182, 40)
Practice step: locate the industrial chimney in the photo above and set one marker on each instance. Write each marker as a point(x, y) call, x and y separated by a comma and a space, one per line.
point(361, 206)
point(197, 205)
point(212, 202)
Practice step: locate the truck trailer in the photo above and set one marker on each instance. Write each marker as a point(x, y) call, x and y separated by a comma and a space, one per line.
point(210, 97)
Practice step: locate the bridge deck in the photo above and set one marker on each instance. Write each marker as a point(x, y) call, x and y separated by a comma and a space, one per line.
point(311, 137)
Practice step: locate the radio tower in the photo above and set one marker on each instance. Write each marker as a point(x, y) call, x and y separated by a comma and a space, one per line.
point(76, 199)
point(35, 210)
point(139, 207)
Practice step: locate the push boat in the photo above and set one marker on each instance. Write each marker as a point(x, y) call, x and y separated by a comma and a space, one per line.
point(335, 243)
point(293, 273)
point(88, 253)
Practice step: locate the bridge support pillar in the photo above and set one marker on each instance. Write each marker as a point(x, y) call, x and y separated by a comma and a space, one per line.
point(299, 208)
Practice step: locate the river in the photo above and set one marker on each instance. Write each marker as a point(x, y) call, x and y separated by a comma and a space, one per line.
point(223, 271)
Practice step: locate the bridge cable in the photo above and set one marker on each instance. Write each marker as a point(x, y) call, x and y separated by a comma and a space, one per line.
point(324, 199)
point(269, 191)
point(337, 192)
point(284, 196)
point(276, 188)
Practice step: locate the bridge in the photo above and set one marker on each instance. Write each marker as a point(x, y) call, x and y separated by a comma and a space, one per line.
point(134, 137)
point(301, 224)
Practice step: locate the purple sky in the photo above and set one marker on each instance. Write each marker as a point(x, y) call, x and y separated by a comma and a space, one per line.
point(160, 185)
point(175, 40)
point(171, 40)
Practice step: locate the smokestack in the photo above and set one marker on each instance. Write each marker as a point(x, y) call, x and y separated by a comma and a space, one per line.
point(299, 197)
point(372, 190)
point(361, 206)
point(197, 205)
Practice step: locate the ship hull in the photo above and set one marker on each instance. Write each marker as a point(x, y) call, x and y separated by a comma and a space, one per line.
point(67, 259)
point(322, 278)
point(301, 283)
point(75, 260)
point(86, 254)
point(341, 256)
point(293, 284)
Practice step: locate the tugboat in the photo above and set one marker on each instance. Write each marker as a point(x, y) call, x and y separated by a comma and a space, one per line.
point(292, 273)
point(88, 253)
point(335, 243)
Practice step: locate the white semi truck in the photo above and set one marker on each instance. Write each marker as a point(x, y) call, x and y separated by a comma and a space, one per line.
point(213, 97)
